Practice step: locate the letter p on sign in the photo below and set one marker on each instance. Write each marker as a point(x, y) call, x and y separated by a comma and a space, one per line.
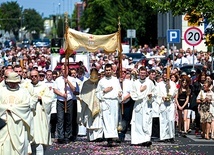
point(173, 36)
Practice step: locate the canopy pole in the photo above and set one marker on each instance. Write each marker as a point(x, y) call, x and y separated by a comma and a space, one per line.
point(120, 60)
point(121, 111)
point(66, 59)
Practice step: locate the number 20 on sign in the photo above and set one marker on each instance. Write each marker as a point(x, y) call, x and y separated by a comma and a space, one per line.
point(193, 36)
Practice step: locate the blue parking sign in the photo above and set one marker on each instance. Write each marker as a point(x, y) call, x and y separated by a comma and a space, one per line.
point(173, 36)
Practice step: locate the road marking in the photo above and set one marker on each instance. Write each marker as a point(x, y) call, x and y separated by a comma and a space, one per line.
point(164, 144)
point(198, 139)
point(201, 144)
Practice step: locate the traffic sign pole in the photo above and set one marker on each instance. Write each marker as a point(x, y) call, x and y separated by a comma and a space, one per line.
point(193, 59)
point(131, 33)
point(173, 55)
point(212, 58)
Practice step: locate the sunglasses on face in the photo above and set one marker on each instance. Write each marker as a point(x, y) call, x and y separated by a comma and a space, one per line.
point(18, 71)
point(32, 76)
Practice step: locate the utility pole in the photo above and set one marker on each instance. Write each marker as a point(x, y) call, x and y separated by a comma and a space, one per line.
point(21, 38)
point(167, 28)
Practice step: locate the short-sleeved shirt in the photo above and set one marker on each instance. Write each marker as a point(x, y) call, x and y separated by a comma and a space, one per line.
point(59, 84)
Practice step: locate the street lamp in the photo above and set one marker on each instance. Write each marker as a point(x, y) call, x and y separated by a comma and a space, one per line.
point(59, 10)
point(21, 28)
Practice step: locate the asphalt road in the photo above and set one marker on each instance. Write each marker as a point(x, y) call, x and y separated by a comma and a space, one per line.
point(192, 145)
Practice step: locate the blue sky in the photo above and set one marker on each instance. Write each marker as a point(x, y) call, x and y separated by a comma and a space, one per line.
point(47, 7)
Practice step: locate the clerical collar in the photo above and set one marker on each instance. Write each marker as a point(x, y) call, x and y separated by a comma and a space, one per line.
point(142, 80)
point(108, 78)
point(35, 85)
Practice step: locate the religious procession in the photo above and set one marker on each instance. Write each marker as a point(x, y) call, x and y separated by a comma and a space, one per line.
point(40, 107)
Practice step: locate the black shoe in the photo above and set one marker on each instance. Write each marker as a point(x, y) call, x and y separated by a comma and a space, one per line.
point(171, 140)
point(73, 138)
point(166, 140)
point(117, 141)
point(100, 140)
point(184, 135)
point(61, 141)
point(189, 131)
point(122, 139)
point(66, 141)
point(147, 144)
point(110, 142)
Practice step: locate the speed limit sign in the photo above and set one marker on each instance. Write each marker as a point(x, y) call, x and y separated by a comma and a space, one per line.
point(193, 36)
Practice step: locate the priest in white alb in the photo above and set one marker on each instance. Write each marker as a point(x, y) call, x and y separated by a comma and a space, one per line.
point(166, 91)
point(15, 110)
point(41, 118)
point(142, 93)
point(109, 93)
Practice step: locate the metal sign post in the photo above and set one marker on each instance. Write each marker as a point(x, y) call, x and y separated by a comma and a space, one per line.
point(212, 58)
point(131, 33)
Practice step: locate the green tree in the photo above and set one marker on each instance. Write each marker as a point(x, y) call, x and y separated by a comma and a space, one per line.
point(10, 17)
point(101, 16)
point(33, 22)
point(180, 7)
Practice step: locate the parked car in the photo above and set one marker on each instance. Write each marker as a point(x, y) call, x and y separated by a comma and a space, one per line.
point(41, 43)
point(187, 68)
point(163, 59)
point(25, 42)
point(136, 57)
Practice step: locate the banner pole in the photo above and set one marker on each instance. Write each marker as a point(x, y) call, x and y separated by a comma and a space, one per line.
point(121, 110)
point(66, 59)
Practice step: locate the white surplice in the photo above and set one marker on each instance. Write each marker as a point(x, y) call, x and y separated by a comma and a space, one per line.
point(42, 114)
point(15, 109)
point(109, 104)
point(167, 110)
point(141, 123)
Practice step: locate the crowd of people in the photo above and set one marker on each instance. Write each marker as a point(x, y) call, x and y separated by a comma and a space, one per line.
point(39, 106)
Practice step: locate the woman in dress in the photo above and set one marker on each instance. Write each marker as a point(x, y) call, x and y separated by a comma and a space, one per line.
point(182, 100)
point(205, 99)
point(175, 78)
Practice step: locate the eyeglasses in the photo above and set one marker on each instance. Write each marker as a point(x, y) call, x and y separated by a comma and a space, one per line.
point(18, 71)
point(32, 76)
point(24, 72)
